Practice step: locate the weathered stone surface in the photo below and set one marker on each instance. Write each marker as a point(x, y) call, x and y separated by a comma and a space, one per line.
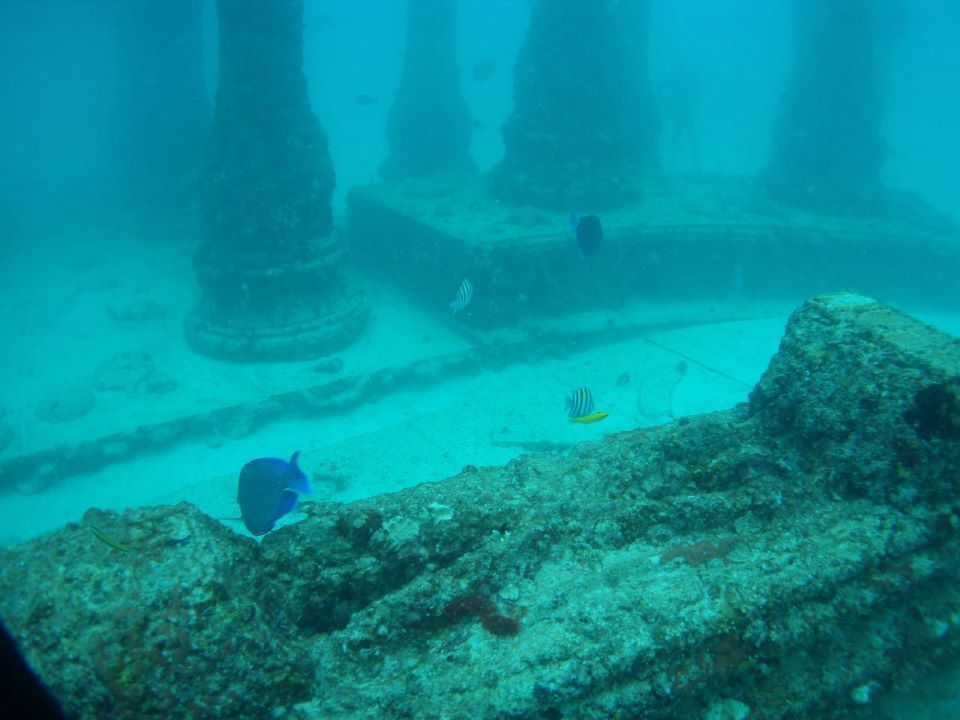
point(777, 557)
point(270, 266)
point(702, 238)
point(149, 615)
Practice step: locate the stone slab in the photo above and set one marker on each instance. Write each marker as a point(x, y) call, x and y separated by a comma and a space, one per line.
point(690, 238)
point(792, 557)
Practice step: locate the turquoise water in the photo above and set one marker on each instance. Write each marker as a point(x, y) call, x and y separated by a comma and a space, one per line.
point(218, 245)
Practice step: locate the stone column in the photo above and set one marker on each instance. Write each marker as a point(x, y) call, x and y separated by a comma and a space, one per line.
point(270, 267)
point(429, 125)
point(827, 149)
point(640, 111)
point(574, 141)
point(162, 116)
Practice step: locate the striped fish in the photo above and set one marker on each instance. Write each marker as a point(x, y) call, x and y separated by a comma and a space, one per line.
point(464, 294)
point(579, 403)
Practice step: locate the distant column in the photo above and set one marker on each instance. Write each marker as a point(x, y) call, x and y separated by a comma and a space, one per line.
point(581, 127)
point(429, 125)
point(640, 111)
point(162, 114)
point(827, 149)
point(270, 267)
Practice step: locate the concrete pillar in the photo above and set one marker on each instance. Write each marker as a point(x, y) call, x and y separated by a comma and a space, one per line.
point(270, 266)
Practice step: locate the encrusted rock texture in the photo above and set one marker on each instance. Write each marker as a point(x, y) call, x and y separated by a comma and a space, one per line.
point(794, 557)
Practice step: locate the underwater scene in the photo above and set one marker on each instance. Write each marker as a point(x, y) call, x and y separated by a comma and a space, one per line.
point(493, 359)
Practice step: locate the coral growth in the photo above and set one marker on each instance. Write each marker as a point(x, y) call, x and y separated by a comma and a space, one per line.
point(477, 605)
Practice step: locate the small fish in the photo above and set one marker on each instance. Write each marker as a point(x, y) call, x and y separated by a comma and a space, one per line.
point(464, 295)
point(591, 418)
point(588, 231)
point(268, 490)
point(579, 406)
point(108, 539)
point(484, 69)
point(364, 100)
point(579, 403)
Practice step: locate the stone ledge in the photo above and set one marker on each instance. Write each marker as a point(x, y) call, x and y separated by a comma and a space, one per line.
point(690, 238)
point(736, 557)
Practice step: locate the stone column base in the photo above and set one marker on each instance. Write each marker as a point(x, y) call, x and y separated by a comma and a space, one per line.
point(297, 333)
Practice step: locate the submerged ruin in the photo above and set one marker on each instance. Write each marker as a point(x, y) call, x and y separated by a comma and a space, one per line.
point(429, 126)
point(270, 266)
point(582, 124)
point(790, 557)
point(828, 150)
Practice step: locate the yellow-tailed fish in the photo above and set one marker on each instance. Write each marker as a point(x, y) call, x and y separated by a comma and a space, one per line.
point(587, 419)
point(107, 539)
point(579, 406)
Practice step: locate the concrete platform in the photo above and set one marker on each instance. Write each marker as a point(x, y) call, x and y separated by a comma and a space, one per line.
point(689, 238)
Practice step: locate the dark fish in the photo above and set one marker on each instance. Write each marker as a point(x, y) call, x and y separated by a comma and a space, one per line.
point(477, 125)
point(484, 69)
point(588, 231)
point(366, 100)
point(268, 490)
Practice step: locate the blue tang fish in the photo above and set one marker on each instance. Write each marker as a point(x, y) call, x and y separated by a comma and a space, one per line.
point(268, 490)
point(588, 231)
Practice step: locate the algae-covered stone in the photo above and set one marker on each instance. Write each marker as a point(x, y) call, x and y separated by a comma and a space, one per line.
point(149, 615)
point(770, 559)
point(270, 268)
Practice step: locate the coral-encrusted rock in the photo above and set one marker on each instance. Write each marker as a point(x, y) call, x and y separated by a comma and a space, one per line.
point(270, 268)
point(775, 559)
point(150, 615)
point(863, 390)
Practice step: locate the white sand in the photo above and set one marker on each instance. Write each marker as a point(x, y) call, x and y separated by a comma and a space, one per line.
point(63, 332)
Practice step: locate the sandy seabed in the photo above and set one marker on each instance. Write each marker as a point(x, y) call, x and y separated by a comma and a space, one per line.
point(100, 316)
